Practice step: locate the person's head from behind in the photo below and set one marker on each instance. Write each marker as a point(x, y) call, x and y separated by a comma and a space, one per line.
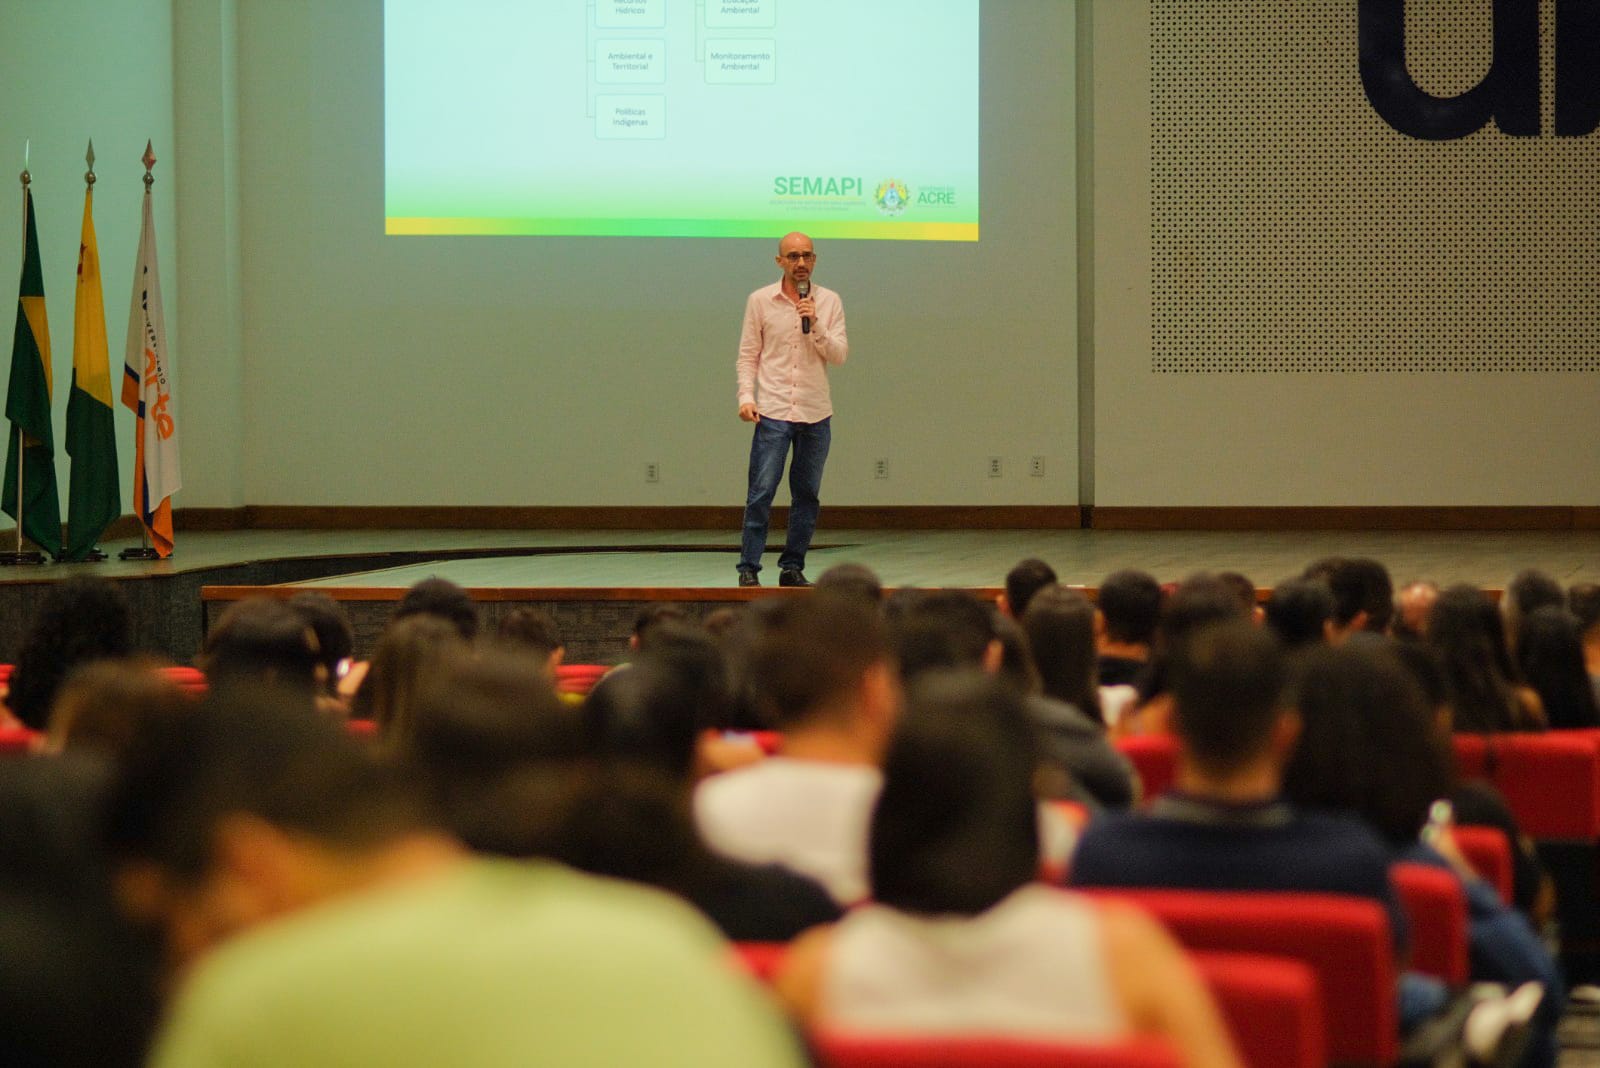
point(657, 711)
point(441, 598)
point(1060, 626)
point(1300, 612)
point(80, 619)
point(1199, 601)
point(1227, 682)
point(105, 705)
point(480, 727)
point(1550, 657)
point(410, 654)
point(1583, 601)
point(1128, 608)
point(1466, 631)
point(335, 639)
point(822, 663)
point(955, 829)
point(245, 808)
point(1363, 594)
point(1413, 606)
point(1369, 744)
point(852, 580)
point(1024, 580)
point(945, 629)
point(652, 617)
point(532, 631)
point(1528, 590)
point(262, 640)
point(1244, 591)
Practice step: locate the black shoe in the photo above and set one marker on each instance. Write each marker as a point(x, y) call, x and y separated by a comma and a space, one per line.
point(748, 578)
point(792, 576)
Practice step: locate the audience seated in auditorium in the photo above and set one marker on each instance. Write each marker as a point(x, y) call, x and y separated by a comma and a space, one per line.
point(327, 921)
point(1363, 594)
point(411, 652)
point(1467, 632)
point(1549, 653)
point(78, 984)
point(953, 629)
point(1300, 612)
point(959, 937)
point(1059, 624)
point(1227, 826)
point(852, 579)
point(1584, 602)
point(1412, 606)
point(1127, 609)
point(261, 639)
point(1528, 591)
point(533, 632)
point(444, 599)
point(1370, 747)
point(1024, 580)
point(1200, 600)
point(105, 705)
point(335, 648)
point(79, 620)
point(821, 665)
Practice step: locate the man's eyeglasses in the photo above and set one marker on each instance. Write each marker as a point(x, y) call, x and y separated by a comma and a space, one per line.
point(800, 257)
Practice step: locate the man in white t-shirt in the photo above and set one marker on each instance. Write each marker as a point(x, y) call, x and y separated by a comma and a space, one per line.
point(821, 664)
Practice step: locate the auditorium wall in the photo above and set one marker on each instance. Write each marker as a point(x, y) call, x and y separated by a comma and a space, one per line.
point(1294, 303)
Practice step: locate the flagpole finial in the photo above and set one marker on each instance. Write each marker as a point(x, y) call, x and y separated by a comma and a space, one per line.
point(149, 161)
point(88, 157)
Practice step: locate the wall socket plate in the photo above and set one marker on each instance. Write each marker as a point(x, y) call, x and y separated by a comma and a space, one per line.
point(1036, 466)
point(652, 471)
point(880, 468)
point(994, 467)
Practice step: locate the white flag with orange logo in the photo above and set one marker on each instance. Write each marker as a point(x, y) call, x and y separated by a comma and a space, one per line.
point(147, 389)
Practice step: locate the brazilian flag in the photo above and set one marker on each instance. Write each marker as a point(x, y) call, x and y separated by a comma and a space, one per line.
point(94, 500)
point(28, 407)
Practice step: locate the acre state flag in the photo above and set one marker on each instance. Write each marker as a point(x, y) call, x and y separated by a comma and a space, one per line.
point(28, 406)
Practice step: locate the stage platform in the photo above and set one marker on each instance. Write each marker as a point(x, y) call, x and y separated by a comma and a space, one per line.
point(594, 581)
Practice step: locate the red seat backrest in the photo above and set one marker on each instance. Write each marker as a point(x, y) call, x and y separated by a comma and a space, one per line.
point(1436, 910)
point(761, 959)
point(5, 673)
point(1344, 940)
point(840, 1050)
point(18, 741)
point(579, 678)
point(1488, 850)
point(1155, 758)
point(1272, 1006)
point(189, 680)
point(1551, 781)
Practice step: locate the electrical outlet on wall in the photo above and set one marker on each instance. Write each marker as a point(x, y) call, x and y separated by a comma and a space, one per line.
point(994, 467)
point(652, 471)
point(1036, 467)
point(880, 468)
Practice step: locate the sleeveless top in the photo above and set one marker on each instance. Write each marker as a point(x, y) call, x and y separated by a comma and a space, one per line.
point(1033, 965)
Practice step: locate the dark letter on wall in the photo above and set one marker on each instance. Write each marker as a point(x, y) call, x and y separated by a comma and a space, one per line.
point(1509, 93)
point(1577, 67)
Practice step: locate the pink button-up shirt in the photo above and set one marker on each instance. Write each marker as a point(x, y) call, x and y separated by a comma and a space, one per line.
point(785, 369)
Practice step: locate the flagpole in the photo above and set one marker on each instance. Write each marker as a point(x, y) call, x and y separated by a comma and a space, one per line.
point(22, 556)
point(143, 551)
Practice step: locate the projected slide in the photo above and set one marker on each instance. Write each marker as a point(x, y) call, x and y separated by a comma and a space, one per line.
point(682, 118)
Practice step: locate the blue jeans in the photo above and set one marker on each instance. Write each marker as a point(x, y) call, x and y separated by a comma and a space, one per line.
point(769, 448)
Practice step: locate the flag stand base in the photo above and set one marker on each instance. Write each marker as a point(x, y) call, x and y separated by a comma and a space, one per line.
point(8, 559)
point(93, 556)
point(138, 552)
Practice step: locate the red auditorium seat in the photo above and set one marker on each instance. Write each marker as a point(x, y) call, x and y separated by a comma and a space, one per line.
point(770, 742)
point(1344, 940)
point(5, 673)
point(761, 959)
point(189, 680)
point(579, 678)
point(18, 741)
point(1488, 850)
point(1155, 758)
point(1436, 911)
point(1272, 1006)
point(1551, 781)
point(838, 1050)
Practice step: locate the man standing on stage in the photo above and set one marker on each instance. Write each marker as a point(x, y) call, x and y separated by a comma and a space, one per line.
point(792, 332)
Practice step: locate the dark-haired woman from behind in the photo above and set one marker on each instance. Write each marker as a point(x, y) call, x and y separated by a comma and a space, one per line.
point(1466, 630)
point(960, 938)
point(1550, 656)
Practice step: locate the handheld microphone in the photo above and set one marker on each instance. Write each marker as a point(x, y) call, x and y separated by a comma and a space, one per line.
point(803, 288)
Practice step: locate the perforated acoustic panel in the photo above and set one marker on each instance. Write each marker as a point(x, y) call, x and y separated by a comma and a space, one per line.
point(1294, 230)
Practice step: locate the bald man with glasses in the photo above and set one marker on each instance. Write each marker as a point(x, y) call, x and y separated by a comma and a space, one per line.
point(793, 332)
